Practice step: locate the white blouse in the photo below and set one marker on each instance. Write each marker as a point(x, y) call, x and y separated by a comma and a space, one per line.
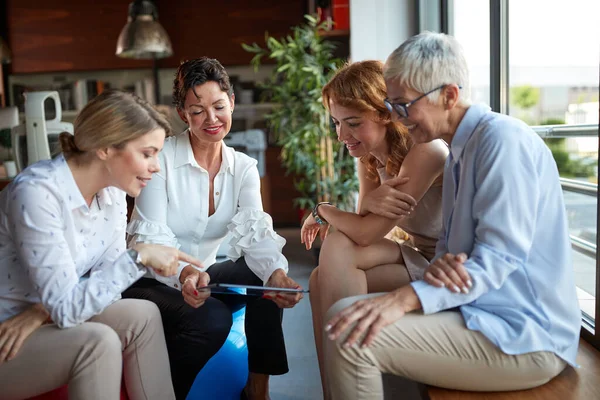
point(173, 210)
point(50, 239)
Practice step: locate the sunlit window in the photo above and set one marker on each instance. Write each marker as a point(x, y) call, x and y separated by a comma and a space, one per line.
point(553, 74)
point(472, 29)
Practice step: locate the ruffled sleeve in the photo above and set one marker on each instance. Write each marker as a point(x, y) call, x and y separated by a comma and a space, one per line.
point(253, 237)
point(143, 230)
point(139, 230)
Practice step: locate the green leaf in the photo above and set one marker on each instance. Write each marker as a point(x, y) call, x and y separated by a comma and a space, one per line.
point(304, 63)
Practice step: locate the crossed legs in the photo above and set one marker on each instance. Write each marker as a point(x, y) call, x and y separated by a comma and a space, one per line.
point(346, 269)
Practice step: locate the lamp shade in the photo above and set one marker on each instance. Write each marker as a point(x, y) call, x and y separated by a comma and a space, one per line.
point(5, 54)
point(143, 37)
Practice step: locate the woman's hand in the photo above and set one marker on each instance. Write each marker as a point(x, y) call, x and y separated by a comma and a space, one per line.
point(370, 315)
point(310, 229)
point(284, 300)
point(449, 271)
point(387, 201)
point(15, 330)
point(164, 260)
point(191, 279)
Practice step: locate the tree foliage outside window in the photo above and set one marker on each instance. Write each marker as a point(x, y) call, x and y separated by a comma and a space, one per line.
point(569, 167)
point(525, 96)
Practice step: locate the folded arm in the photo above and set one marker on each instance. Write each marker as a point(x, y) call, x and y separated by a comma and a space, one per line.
point(423, 164)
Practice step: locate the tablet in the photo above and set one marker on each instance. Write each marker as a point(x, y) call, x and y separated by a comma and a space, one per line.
point(248, 290)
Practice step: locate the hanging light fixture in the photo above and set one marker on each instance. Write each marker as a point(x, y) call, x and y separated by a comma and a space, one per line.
point(143, 37)
point(5, 54)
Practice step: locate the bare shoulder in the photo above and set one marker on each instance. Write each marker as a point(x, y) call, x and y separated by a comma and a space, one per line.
point(434, 152)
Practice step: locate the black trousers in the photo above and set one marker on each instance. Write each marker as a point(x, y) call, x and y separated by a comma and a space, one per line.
point(194, 335)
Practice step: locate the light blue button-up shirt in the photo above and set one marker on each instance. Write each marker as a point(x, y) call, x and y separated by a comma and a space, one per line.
point(503, 207)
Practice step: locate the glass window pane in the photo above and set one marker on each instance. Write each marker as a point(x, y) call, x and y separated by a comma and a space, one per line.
point(472, 29)
point(554, 79)
point(554, 59)
point(581, 213)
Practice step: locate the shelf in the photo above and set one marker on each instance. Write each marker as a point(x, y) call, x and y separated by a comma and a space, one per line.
point(65, 113)
point(335, 33)
point(254, 106)
point(252, 111)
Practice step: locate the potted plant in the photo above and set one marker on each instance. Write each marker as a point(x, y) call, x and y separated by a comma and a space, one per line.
point(304, 62)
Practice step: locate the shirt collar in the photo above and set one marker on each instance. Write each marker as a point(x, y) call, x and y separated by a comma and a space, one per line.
point(228, 159)
point(466, 127)
point(184, 154)
point(183, 150)
point(73, 196)
point(104, 198)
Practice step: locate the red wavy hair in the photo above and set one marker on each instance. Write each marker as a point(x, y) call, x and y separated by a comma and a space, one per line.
point(360, 86)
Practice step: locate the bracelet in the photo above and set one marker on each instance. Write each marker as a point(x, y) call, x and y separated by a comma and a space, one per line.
point(315, 213)
point(136, 257)
point(186, 279)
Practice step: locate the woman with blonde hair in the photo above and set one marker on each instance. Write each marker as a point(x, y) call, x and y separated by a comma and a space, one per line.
point(400, 186)
point(64, 263)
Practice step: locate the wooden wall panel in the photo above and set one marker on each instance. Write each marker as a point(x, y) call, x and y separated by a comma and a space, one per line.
point(66, 35)
point(80, 35)
point(281, 191)
point(218, 28)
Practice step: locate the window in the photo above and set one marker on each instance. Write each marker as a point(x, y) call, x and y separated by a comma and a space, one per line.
point(553, 78)
point(471, 26)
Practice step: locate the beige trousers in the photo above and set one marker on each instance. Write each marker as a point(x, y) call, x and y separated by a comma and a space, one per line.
point(435, 349)
point(125, 340)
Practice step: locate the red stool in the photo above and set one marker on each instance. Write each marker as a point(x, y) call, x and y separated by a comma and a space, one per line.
point(62, 393)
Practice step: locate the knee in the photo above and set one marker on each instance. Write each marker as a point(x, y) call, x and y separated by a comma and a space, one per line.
point(142, 315)
point(339, 306)
point(213, 320)
point(101, 343)
point(335, 245)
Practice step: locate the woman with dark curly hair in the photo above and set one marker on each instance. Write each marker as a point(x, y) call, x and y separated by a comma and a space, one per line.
point(204, 191)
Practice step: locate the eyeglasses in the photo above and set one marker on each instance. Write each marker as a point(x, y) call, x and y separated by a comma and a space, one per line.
point(402, 108)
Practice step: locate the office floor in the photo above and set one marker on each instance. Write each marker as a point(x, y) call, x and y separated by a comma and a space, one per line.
point(303, 381)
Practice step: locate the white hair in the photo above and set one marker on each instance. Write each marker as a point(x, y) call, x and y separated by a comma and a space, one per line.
point(429, 60)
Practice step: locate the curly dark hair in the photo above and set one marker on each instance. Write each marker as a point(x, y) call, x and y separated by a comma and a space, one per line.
point(192, 73)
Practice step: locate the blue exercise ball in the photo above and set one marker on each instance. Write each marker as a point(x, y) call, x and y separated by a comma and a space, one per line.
point(225, 375)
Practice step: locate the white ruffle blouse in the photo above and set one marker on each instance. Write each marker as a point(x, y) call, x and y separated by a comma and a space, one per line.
point(173, 210)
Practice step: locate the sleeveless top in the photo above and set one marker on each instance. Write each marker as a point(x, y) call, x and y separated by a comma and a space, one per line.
point(423, 227)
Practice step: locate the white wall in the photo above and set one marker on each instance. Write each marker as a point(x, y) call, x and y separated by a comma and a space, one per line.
point(377, 27)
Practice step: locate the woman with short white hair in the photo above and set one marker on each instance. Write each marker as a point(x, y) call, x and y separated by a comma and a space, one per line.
point(504, 240)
